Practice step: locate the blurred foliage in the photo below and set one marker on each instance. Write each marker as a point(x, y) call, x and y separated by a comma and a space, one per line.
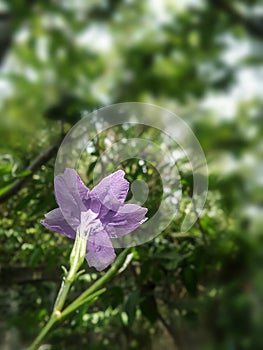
point(61, 60)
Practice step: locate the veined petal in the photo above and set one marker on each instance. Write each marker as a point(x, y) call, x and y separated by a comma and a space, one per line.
point(112, 190)
point(93, 203)
point(100, 253)
point(70, 194)
point(55, 221)
point(125, 220)
point(83, 190)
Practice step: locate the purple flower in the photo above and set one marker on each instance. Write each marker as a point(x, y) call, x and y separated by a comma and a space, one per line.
point(101, 211)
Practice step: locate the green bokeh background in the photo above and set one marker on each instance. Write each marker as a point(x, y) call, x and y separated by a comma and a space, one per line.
point(200, 59)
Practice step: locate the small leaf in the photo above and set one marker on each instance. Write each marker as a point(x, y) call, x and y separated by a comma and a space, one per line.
point(113, 297)
point(64, 270)
point(23, 173)
point(132, 305)
point(4, 189)
point(5, 169)
point(149, 308)
point(189, 278)
point(91, 167)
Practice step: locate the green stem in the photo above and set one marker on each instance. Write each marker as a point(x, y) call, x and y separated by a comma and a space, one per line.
point(111, 272)
point(35, 345)
point(56, 314)
point(62, 294)
point(89, 295)
point(74, 306)
point(76, 259)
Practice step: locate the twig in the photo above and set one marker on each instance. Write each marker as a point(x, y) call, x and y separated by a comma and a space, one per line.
point(254, 27)
point(33, 167)
point(169, 329)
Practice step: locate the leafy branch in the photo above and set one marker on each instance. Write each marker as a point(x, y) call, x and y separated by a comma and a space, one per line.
point(36, 164)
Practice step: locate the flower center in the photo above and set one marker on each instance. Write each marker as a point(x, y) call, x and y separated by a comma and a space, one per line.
point(90, 224)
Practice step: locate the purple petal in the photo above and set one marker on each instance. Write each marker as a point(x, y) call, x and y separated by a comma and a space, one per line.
point(70, 194)
point(100, 253)
point(127, 219)
point(55, 221)
point(93, 203)
point(83, 190)
point(112, 190)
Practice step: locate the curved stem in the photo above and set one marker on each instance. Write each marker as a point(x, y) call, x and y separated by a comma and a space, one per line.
point(36, 343)
point(56, 314)
point(74, 306)
point(90, 295)
point(117, 265)
point(76, 259)
point(62, 295)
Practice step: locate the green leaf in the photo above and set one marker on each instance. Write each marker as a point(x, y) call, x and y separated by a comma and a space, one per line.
point(24, 202)
point(91, 167)
point(113, 297)
point(132, 305)
point(189, 278)
point(148, 307)
point(5, 169)
point(23, 173)
point(4, 189)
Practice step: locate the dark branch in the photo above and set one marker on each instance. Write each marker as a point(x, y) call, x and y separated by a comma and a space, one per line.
point(43, 158)
point(17, 275)
point(5, 34)
point(169, 329)
point(253, 26)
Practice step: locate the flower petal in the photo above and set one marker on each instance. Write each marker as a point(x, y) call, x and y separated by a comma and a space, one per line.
point(100, 253)
point(70, 194)
point(125, 220)
point(54, 220)
point(112, 190)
